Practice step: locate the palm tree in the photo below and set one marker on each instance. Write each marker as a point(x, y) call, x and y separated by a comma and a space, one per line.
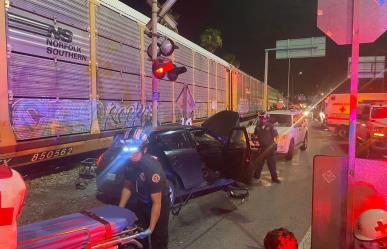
point(211, 39)
point(230, 58)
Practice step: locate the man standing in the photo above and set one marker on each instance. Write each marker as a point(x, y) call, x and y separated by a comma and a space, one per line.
point(266, 134)
point(146, 177)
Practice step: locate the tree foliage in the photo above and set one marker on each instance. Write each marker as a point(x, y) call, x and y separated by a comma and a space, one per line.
point(232, 59)
point(211, 39)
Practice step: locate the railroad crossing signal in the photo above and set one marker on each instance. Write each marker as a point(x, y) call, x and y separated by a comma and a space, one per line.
point(163, 65)
point(162, 14)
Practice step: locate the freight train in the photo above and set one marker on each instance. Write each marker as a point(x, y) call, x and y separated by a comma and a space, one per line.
point(74, 72)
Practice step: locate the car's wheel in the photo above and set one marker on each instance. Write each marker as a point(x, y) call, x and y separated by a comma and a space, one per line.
point(290, 153)
point(305, 144)
point(342, 131)
point(247, 174)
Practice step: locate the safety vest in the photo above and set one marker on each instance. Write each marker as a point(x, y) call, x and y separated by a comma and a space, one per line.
point(12, 194)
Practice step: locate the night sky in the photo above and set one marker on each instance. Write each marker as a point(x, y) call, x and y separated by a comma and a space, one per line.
point(250, 26)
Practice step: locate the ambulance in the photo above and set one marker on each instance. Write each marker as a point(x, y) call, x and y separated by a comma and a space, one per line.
point(337, 109)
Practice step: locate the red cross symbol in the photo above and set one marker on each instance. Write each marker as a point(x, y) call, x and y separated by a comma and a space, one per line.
point(381, 227)
point(6, 215)
point(342, 109)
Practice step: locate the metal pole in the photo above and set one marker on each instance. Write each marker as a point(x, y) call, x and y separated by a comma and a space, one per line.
point(352, 122)
point(154, 57)
point(289, 83)
point(292, 87)
point(265, 92)
point(93, 66)
point(7, 134)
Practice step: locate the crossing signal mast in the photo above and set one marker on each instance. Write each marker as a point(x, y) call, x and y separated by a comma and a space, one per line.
point(159, 52)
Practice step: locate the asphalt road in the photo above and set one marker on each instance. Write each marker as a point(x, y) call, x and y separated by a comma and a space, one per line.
point(213, 221)
point(216, 221)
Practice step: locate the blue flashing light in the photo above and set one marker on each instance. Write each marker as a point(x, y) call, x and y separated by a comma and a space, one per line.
point(381, 2)
point(129, 149)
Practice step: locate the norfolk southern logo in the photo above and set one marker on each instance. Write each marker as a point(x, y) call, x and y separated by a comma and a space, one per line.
point(59, 42)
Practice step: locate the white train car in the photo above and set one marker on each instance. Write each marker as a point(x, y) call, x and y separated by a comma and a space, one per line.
point(74, 72)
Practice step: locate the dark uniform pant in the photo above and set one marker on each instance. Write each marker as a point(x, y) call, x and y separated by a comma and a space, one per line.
point(159, 237)
point(267, 154)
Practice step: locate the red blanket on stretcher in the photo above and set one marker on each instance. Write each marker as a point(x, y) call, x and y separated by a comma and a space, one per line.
point(76, 230)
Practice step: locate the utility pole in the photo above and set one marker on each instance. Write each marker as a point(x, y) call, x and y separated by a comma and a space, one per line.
point(289, 69)
point(155, 82)
point(353, 118)
point(265, 91)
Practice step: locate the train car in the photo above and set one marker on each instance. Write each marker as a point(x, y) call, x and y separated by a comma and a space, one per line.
point(74, 72)
point(275, 99)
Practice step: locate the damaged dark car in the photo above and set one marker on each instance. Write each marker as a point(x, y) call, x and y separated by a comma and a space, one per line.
point(196, 160)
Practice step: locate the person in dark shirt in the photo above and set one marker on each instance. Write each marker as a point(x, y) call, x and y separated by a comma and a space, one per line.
point(145, 176)
point(266, 134)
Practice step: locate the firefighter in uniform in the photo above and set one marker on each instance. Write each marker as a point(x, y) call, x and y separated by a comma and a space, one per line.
point(145, 176)
point(12, 194)
point(266, 134)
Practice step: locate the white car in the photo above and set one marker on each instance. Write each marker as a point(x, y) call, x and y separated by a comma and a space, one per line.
point(292, 130)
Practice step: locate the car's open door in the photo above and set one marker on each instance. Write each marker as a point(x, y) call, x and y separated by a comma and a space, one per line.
point(182, 156)
point(237, 155)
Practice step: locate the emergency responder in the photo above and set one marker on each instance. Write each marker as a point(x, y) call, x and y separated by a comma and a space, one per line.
point(371, 230)
point(12, 194)
point(145, 176)
point(280, 238)
point(266, 135)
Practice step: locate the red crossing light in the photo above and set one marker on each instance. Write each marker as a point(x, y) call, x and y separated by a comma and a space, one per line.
point(162, 67)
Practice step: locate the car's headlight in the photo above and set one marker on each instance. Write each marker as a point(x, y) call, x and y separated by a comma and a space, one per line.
point(282, 138)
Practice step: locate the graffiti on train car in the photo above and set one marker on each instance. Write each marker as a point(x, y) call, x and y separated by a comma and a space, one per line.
point(117, 114)
point(39, 118)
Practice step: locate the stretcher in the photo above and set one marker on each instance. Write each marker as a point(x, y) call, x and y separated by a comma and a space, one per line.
point(103, 227)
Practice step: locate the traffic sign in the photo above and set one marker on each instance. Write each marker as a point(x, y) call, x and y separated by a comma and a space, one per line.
point(162, 14)
point(156, 96)
point(370, 67)
point(334, 18)
point(301, 48)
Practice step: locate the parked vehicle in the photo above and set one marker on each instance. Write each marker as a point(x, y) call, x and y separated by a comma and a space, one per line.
point(371, 130)
point(292, 131)
point(196, 160)
point(337, 110)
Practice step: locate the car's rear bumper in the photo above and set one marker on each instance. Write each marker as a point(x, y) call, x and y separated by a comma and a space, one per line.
point(282, 148)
